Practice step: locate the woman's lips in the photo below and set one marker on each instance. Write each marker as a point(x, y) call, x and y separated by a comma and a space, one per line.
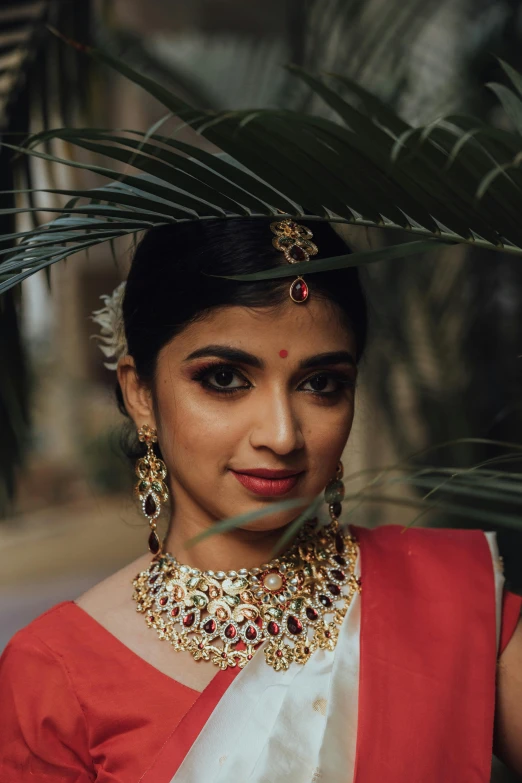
point(261, 483)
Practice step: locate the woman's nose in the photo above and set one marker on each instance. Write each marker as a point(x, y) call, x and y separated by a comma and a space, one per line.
point(276, 425)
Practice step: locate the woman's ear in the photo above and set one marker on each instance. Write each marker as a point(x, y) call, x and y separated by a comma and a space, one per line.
point(137, 396)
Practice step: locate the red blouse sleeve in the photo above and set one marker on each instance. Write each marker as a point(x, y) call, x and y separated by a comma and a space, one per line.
point(43, 734)
point(511, 608)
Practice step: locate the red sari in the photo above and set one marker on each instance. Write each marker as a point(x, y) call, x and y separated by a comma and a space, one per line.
point(77, 705)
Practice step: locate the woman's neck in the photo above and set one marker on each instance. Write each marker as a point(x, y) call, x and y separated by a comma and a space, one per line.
point(223, 551)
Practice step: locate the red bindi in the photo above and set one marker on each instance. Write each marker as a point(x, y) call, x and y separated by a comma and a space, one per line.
point(283, 354)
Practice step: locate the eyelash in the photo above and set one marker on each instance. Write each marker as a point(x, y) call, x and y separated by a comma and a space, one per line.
point(202, 375)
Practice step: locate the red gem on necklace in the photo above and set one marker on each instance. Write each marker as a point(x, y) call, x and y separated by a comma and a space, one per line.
point(251, 633)
point(279, 653)
point(175, 611)
point(163, 600)
point(272, 628)
point(294, 625)
point(326, 602)
point(210, 626)
point(312, 613)
point(188, 620)
point(230, 632)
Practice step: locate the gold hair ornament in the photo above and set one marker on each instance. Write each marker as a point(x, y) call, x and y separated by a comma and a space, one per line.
point(295, 242)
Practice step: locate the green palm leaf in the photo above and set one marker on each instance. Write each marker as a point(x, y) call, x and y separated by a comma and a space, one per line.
point(443, 183)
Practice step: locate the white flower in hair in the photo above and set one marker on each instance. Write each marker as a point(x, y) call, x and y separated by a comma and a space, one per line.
point(112, 334)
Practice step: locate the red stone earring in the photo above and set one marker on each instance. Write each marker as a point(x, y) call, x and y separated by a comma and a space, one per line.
point(151, 490)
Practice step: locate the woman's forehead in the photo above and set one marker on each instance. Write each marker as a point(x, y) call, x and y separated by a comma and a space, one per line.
point(290, 326)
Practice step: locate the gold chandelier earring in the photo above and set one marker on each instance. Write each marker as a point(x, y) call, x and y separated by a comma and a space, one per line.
point(151, 489)
point(334, 493)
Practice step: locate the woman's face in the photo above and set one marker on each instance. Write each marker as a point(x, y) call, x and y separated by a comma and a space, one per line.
point(253, 391)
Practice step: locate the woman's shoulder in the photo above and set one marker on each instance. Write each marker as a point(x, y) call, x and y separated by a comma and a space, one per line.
point(430, 557)
point(42, 725)
point(402, 533)
point(40, 650)
point(47, 633)
point(431, 542)
point(442, 563)
point(58, 645)
point(73, 628)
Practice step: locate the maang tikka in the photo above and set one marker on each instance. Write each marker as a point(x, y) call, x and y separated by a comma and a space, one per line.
point(294, 241)
point(151, 489)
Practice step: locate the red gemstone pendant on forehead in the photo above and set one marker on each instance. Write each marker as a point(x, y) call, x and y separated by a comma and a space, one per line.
point(294, 241)
point(283, 353)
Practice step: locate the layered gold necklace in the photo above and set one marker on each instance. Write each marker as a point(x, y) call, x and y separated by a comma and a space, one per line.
point(294, 603)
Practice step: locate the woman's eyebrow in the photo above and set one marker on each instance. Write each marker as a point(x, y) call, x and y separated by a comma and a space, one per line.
point(229, 354)
point(326, 359)
point(243, 357)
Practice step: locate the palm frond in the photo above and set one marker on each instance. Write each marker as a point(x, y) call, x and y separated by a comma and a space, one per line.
point(449, 182)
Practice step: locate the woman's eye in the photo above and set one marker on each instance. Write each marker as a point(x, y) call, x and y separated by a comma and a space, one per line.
point(325, 383)
point(224, 379)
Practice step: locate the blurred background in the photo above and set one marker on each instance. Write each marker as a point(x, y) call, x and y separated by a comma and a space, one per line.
point(444, 358)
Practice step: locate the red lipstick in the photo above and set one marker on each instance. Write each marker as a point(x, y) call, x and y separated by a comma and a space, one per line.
point(269, 483)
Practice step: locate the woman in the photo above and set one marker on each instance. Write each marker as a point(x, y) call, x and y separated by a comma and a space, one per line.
point(355, 655)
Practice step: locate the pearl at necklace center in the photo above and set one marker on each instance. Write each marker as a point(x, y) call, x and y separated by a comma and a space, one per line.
point(273, 581)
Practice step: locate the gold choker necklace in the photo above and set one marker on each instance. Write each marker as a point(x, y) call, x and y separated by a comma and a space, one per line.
point(301, 598)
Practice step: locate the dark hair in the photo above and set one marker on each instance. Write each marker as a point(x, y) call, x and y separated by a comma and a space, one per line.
point(170, 284)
